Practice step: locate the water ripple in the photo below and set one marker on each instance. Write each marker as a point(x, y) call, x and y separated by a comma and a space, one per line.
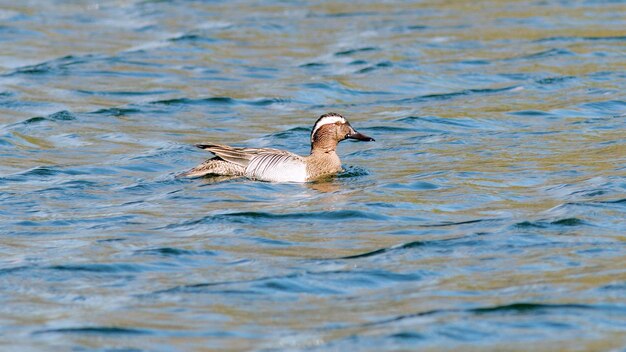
point(574, 38)
point(221, 100)
point(491, 201)
point(512, 308)
point(408, 245)
point(259, 217)
point(95, 330)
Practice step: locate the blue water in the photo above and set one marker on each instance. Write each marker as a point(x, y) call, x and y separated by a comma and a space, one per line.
point(488, 215)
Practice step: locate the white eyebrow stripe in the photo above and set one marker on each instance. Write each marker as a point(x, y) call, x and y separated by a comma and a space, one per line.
point(325, 121)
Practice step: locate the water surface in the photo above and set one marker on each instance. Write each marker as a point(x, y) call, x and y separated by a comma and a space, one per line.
point(488, 215)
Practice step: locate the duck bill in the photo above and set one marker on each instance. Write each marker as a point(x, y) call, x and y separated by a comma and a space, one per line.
point(360, 137)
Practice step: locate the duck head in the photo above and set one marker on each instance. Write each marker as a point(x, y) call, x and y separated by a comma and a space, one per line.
point(332, 128)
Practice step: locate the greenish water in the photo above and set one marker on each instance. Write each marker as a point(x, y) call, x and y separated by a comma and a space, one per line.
point(488, 215)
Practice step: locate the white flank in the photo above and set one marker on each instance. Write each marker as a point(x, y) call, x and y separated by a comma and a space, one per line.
point(325, 121)
point(293, 172)
point(276, 168)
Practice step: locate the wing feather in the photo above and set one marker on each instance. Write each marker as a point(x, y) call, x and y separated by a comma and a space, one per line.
point(243, 156)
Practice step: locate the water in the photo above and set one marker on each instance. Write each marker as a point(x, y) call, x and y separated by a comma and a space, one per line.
point(488, 215)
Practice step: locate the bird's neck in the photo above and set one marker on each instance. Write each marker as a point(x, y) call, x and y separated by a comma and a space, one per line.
point(323, 145)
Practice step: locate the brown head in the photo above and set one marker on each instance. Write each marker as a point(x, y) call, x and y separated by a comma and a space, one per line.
point(332, 128)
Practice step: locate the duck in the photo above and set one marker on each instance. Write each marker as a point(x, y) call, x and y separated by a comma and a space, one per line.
point(275, 165)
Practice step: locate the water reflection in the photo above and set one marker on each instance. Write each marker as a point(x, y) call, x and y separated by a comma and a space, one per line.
point(325, 186)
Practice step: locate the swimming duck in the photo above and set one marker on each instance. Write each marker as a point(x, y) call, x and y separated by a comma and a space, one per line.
point(274, 165)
